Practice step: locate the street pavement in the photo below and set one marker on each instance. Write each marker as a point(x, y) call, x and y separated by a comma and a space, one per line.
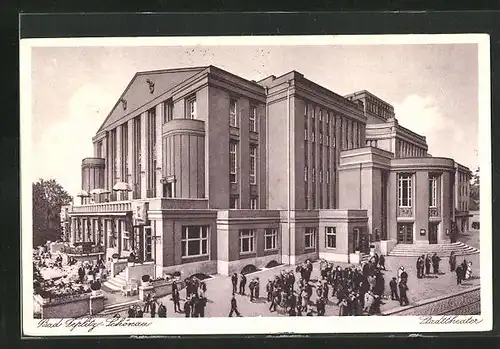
point(219, 288)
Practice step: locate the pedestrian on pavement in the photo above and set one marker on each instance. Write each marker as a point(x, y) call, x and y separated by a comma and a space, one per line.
point(269, 290)
point(257, 288)
point(187, 307)
point(460, 274)
point(153, 307)
point(176, 299)
point(251, 286)
point(275, 301)
point(234, 307)
point(147, 301)
point(320, 306)
point(131, 312)
point(162, 310)
point(381, 262)
point(394, 289)
point(453, 261)
point(428, 263)
point(420, 267)
point(139, 313)
point(435, 263)
point(403, 298)
point(243, 283)
point(234, 281)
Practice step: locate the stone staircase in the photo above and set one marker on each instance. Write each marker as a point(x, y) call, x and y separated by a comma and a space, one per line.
point(117, 308)
point(442, 250)
point(116, 283)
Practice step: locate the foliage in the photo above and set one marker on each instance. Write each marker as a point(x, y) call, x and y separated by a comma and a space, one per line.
point(474, 192)
point(48, 198)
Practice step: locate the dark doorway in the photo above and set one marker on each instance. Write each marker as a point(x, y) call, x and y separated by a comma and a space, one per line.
point(433, 233)
point(405, 233)
point(168, 190)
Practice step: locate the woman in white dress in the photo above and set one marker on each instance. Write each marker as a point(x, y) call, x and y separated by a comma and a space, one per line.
point(468, 272)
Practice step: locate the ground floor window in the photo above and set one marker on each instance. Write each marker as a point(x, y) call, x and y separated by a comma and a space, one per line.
point(331, 237)
point(270, 237)
point(310, 238)
point(247, 241)
point(194, 241)
point(125, 241)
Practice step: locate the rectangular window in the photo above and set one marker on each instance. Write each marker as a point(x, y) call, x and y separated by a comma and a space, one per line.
point(253, 203)
point(232, 113)
point(232, 161)
point(404, 190)
point(320, 176)
point(194, 241)
point(310, 238)
point(327, 176)
point(305, 174)
point(331, 237)
point(125, 241)
point(433, 191)
point(270, 238)
point(305, 134)
point(168, 108)
point(313, 137)
point(305, 109)
point(191, 108)
point(247, 241)
point(233, 202)
point(253, 163)
point(328, 140)
point(320, 138)
point(313, 175)
point(252, 120)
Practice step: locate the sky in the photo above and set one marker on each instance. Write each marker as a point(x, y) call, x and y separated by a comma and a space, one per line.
point(433, 88)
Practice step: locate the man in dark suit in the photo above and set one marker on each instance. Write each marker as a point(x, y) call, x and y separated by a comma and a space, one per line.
point(234, 281)
point(403, 297)
point(234, 307)
point(243, 283)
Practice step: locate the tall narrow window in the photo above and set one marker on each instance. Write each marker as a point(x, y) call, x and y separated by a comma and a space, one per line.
point(433, 191)
point(191, 108)
point(253, 163)
point(247, 241)
point(125, 150)
point(404, 190)
point(233, 202)
point(252, 120)
point(99, 150)
point(253, 203)
point(232, 113)
point(151, 154)
point(310, 238)
point(270, 239)
point(331, 237)
point(168, 108)
point(233, 147)
point(305, 174)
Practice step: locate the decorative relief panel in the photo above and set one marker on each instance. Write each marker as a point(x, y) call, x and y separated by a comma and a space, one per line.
point(405, 212)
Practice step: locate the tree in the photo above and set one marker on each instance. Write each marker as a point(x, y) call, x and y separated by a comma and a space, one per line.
point(474, 191)
point(48, 198)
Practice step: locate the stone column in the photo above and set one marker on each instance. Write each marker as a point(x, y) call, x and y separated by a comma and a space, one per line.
point(119, 160)
point(159, 156)
point(73, 231)
point(106, 162)
point(131, 158)
point(118, 229)
point(144, 155)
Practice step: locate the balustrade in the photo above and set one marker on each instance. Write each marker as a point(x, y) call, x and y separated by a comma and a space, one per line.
point(117, 206)
point(405, 212)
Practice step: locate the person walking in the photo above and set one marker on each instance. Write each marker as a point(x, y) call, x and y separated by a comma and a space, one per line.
point(251, 287)
point(453, 261)
point(394, 289)
point(162, 310)
point(176, 299)
point(234, 281)
point(381, 262)
point(459, 272)
point(234, 307)
point(403, 297)
point(243, 283)
point(435, 263)
point(147, 301)
point(187, 307)
point(269, 290)
point(257, 288)
point(427, 264)
point(153, 307)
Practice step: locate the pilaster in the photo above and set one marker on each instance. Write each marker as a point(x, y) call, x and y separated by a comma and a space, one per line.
point(144, 155)
point(158, 149)
point(131, 158)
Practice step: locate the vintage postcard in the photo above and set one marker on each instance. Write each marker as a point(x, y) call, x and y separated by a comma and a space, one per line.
point(187, 185)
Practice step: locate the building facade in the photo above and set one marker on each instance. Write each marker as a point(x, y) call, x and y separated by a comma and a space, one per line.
point(201, 169)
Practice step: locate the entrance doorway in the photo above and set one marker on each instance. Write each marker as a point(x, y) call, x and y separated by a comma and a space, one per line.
point(405, 233)
point(433, 233)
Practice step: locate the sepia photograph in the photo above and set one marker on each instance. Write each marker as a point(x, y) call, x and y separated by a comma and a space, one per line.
point(256, 177)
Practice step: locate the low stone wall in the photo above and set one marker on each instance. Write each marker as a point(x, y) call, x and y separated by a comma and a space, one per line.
point(118, 267)
point(466, 302)
point(228, 268)
point(187, 269)
point(136, 271)
point(69, 307)
point(386, 246)
point(91, 257)
point(160, 289)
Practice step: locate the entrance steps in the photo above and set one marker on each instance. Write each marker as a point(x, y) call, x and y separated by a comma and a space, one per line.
point(442, 250)
point(116, 283)
point(117, 308)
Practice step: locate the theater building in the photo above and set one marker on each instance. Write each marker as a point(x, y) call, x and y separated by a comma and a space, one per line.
point(200, 170)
